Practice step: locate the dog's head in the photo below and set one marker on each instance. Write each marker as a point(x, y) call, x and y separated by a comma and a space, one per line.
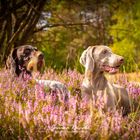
point(20, 58)
point(36, 63)
point(101, 58)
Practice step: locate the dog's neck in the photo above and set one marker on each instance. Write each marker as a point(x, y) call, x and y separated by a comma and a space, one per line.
point(94, 80)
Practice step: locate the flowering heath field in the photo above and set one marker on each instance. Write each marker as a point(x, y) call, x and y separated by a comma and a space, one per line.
point(31, 111)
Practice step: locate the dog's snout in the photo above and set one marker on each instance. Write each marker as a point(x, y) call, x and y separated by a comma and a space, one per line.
point(41, 56)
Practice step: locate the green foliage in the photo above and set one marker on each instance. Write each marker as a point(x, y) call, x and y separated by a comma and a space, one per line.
point(71, 27)
point(114, 23)
point(61, 49)
point(126, 49)
point(64, 43)
point(126, 33)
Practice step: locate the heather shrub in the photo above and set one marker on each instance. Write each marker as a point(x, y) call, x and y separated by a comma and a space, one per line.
point(30, 111)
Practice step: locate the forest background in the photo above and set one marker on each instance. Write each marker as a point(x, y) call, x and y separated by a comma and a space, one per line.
point(62, 29)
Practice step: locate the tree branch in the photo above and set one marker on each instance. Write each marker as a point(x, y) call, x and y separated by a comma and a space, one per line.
point(15, 36)
point(62, 24)
point(33, 21)
point(33, 7)
point(75, 24)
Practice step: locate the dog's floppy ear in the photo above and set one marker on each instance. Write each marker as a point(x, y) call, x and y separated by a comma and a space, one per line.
point(87, 59)
point(83, 58)
point(11, 62)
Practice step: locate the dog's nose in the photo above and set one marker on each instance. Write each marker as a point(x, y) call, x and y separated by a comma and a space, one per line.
point(41, 56)
point(121, 60)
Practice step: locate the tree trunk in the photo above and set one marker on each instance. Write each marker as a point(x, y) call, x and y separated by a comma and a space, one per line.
point(17, 23)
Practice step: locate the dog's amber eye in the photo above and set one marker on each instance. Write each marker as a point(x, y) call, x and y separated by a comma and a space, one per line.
point(105, 51)
point(35, 49)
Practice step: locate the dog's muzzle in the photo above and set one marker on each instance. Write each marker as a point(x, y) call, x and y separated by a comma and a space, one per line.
point(112, 69)
point(36, 63)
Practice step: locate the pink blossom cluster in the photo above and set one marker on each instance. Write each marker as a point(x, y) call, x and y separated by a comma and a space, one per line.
point(30, 111)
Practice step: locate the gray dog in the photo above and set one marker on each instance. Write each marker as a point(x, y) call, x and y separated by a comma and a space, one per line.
point(97, 60)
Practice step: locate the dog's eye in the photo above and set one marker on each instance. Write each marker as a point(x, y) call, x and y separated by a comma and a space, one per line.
point(27, 51)
point(105, 51)
point(35, 49)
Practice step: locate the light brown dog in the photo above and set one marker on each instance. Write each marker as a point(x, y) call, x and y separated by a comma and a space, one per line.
point(97, 60)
